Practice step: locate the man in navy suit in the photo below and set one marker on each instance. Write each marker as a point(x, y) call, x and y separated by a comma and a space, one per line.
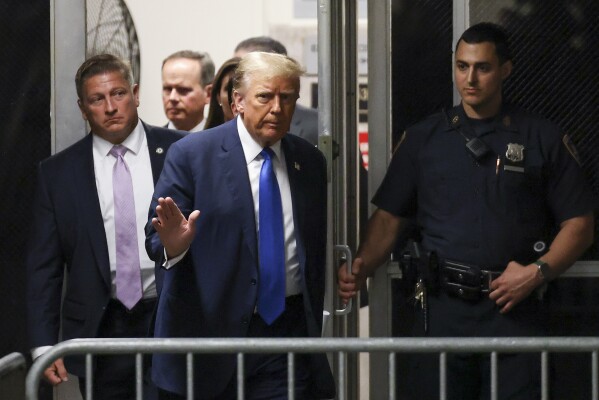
point(214, 263)
point(75, 226)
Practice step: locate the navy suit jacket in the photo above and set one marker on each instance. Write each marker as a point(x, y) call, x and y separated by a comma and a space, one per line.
point(212, 292)
point(68, 229)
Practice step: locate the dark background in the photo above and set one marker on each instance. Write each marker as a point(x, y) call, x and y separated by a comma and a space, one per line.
point(24, 141)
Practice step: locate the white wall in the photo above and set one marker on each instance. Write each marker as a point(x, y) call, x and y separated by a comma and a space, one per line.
point(215, 26)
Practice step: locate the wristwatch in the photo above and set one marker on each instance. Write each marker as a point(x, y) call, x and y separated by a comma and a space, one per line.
point(546, 272)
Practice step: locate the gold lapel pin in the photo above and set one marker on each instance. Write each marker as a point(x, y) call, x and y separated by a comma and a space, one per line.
point(296, 166)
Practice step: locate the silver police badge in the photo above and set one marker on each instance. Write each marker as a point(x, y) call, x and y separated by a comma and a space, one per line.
point(515, 152)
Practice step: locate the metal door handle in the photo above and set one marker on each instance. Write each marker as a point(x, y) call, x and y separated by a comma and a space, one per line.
point(343, 248)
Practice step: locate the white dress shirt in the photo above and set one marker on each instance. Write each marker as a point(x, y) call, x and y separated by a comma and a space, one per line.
point(197, 128)
point(138, 160)
point(253, 159)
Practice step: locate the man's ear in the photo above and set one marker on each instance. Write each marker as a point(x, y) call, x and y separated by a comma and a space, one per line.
point(506, 69)
point(239, 101)
point(208, 89)
point(135, 90)
point(81, 109)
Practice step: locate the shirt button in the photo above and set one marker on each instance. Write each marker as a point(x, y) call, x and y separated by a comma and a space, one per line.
point(253, 281)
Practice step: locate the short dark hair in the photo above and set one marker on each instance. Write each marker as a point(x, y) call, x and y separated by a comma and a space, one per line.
point(206, 64)
point(100, 64)
point(262, 43)
point(488, 32)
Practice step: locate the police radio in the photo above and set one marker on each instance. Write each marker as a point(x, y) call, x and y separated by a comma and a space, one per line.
point(477, 148)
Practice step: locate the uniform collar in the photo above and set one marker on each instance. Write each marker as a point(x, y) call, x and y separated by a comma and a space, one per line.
point(504, 121)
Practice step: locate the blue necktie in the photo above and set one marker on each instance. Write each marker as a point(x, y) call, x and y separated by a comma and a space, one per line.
point(271, 293)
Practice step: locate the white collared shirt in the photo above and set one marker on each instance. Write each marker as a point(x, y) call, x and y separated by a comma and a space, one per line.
point(197, 128)
point(253, 159)
point(138, 160)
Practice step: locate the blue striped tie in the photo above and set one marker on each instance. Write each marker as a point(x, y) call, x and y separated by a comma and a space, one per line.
point(271, 294)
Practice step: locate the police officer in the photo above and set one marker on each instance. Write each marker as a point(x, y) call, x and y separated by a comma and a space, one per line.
point(486, 183)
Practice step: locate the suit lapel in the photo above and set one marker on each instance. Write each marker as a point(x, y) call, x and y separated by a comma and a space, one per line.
point(298, 192)
point(157, 147)
point(89, 207)
point(232, 159)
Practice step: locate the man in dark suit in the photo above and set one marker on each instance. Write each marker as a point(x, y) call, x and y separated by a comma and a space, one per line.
point(186, 89)
point(305, 120)
point(89, 213)
point(217, 278)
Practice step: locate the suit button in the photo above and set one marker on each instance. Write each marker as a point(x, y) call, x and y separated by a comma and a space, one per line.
point(244, 320)
point(253, 281)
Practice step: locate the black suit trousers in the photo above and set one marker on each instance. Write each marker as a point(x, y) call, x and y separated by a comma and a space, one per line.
point(114, 376)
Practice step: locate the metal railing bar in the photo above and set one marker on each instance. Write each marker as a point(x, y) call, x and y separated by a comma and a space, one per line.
point(12, 362)
point(595, 372)
point(89, 376)
point(240, 376)
point(311, 345)
point(392, 376)
point(139, 376)
point(443, 376)
point(494, 375)
point(298, 345)
point(342, 374)
point(189, 362)
point(544, 375)
point(291, 376)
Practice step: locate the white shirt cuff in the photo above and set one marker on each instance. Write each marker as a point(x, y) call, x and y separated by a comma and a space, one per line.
point(38, 351)
point(167, 264)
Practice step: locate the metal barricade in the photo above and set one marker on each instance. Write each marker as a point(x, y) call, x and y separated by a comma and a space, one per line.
point(13, 370)
point(340, 346)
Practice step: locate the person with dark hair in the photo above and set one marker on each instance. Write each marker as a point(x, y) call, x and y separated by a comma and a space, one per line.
point(88, 224)
point(486, 184)
point(186, 89)
point(259, 43)
point(220, 106)
point(305, 120)
point(230, 97)
point(253, 263)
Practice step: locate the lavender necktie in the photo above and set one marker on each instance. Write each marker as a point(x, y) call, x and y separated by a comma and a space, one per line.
point(128, 274)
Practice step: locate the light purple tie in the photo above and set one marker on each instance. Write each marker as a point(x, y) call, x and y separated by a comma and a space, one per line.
point(128, 274)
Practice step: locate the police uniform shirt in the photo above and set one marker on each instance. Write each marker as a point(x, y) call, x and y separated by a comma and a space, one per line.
point(491, 211)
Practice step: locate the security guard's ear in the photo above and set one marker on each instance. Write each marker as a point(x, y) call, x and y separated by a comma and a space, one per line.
point(506, 69)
